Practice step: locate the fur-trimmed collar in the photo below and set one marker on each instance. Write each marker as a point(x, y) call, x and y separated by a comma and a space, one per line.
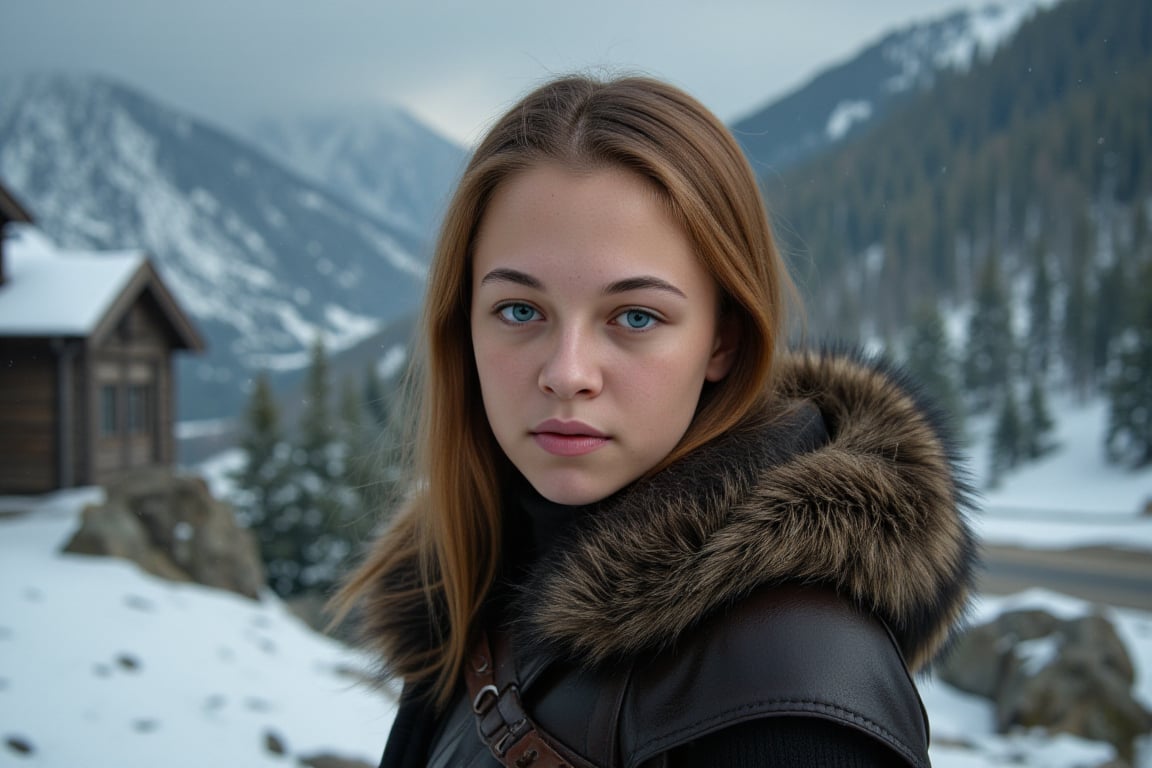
point(876, 511)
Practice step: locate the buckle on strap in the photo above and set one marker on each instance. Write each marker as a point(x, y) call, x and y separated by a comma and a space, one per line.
point(485, 699)
point(500, 717)
point(501, 720)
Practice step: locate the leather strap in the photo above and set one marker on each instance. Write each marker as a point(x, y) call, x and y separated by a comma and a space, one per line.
point(501, 721)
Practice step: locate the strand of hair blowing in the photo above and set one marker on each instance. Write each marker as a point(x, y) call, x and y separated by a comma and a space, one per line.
point(451, 525)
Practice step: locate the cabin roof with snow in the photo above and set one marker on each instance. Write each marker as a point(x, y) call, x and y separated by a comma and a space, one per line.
point(51, 292)
point(11, 209)
point(86, 345)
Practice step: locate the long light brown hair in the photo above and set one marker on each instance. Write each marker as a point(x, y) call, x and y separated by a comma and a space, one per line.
point(452, 522)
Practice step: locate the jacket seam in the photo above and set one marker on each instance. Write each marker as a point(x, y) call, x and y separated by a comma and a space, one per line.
point(814, 706)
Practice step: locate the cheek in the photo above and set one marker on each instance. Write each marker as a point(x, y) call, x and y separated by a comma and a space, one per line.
point(501, 373)
point(667, 390)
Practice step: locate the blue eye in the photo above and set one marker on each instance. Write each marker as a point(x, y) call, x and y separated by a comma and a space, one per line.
point(518, 313)
point(637, 319)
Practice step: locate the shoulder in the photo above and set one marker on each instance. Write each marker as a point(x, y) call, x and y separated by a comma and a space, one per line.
point(782, 651)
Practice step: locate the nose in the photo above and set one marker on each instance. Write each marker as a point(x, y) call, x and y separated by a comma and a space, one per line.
point(572, 368)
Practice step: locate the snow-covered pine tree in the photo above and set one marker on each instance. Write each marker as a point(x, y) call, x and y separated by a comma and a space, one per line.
point(1129, 437)
point(1040, 425)
point(930, 360)
point(1007, 437)
point(989, 355)
point(262, 480)
point(1077, 332)
point(1039, 349)
point(361, 467)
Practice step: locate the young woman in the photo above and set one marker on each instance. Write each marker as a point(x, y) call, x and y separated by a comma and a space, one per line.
point(639, 531)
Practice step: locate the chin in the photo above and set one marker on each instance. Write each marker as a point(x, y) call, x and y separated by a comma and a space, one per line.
point(573, 494)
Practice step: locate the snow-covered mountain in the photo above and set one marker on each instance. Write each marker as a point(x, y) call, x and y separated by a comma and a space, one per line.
point(847, 96)
point(382, 160)
point(263, 258)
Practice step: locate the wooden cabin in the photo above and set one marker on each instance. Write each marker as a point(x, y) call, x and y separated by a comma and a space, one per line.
point(86, 348)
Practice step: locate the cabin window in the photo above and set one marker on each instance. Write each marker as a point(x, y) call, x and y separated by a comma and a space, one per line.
point(139, 409)
point(109, 413)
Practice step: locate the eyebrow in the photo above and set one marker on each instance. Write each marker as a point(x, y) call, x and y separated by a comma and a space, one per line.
point(638, 283)
point(504, 275)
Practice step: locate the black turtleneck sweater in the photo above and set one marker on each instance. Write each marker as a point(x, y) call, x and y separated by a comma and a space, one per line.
point(780, 742)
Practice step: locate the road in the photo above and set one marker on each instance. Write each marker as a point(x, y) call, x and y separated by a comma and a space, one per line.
point(1101, 574)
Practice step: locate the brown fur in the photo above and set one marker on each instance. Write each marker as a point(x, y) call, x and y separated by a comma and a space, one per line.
point(876, 512)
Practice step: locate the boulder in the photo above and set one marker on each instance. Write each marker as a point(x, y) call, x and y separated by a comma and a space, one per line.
point(172, 527)
point(1073, 676)
point(978, 663)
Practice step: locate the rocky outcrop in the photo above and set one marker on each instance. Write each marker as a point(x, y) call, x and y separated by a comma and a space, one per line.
point(1073, 676)
point(172, 527)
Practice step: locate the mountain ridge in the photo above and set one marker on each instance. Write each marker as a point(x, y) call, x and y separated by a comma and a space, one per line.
point(260, 256)
point(842, 98)
point(365, 158)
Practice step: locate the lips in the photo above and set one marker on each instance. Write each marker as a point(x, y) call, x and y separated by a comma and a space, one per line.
point(568, 438)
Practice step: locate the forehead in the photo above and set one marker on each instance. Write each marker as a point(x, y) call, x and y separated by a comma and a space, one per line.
point(601, 219)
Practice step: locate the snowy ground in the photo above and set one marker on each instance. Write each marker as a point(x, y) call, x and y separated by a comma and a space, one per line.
point(1071, 498)
point(103, 665)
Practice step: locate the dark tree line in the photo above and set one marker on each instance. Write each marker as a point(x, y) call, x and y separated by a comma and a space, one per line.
point(1015, 198)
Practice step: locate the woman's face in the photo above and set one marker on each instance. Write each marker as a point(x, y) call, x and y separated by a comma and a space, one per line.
point(594, 327)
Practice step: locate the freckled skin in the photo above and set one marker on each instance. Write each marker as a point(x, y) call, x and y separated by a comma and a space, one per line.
point(589, 307)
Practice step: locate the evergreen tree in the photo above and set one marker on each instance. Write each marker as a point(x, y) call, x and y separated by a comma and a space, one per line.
point(1141, 230)
point(1111, 306)
point(1078, 311)
point(263, 478)
point(1007, 437)
point(1038, 434)
point(357, 427)
point(375, 401)
point(317, 431)
point(310, 540)
point(988, 358)
point(1040, 315)
point(929, 359)
point(1129, 436)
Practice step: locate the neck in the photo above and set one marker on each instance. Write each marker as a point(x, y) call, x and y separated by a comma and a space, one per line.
point(547, 521)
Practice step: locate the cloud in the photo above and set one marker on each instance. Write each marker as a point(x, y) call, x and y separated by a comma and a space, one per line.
point(454, 64)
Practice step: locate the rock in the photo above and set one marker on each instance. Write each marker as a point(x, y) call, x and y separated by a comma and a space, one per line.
point(1084, 688)
point(19, 745)
point(112, 530)
point(1070, 676)
point(978, 662)
point(172, 527)
point(273, 743)
point(310, 608)
point(145, 725)
point(128, 662)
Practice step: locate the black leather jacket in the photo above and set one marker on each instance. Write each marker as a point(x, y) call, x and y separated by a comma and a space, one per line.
point(784, 651)
point(728, 588)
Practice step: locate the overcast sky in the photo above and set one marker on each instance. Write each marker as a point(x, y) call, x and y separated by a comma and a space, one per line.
point(456, 65)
